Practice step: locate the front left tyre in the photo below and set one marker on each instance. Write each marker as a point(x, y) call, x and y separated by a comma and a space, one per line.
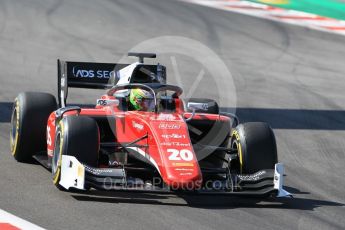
point(256, 147)
point(29, 123)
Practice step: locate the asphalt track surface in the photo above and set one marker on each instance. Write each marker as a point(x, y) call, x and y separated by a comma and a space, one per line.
point(290, 77)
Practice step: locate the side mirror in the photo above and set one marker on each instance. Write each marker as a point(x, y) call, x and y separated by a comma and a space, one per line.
point(197, 106)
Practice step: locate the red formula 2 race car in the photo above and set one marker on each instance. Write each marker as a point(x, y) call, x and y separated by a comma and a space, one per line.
point(171, 145)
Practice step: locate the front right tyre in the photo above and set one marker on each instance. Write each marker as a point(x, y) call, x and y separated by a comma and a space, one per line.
point(76, 136)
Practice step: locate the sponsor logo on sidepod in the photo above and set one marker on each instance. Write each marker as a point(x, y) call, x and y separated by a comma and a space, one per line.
point(137, 125)
point(169, 126)
point(173, 136)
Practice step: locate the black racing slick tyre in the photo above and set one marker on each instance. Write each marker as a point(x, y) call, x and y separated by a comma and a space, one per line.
point(212, 105)
point(76, 136)
point(29, 124)
point(256, 146)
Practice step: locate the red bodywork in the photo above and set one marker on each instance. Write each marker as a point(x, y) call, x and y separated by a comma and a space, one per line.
point(169, 146)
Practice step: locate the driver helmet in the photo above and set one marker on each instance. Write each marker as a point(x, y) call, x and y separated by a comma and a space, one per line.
point(141, 99)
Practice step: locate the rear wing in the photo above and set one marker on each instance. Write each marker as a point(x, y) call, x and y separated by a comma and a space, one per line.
point(94, 75)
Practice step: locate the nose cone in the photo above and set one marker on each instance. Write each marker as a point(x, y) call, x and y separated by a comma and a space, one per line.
point(180, 168)
point(182, 181)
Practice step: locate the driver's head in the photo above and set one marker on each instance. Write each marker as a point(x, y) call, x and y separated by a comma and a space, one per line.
point(141, 100)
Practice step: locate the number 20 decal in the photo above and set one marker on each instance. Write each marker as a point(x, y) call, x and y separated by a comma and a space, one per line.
point(178, 155)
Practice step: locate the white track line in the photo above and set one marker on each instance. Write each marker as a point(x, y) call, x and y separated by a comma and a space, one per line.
point(276, 14)
point(8, 218)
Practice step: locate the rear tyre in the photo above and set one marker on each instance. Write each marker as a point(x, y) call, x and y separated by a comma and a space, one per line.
point(212, 105)
point(256, 147)
point(76, 136)
point(29, 124)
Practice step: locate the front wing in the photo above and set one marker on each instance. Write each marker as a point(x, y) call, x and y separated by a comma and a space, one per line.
point(78, 176)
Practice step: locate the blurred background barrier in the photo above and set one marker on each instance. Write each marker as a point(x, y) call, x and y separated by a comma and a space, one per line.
point(327, 8)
